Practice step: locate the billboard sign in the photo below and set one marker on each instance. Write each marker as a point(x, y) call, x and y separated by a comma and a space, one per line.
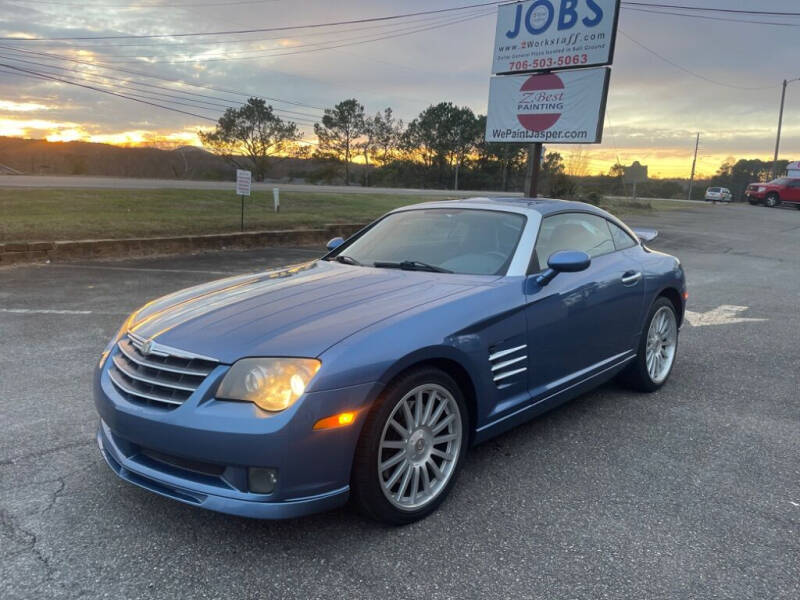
point(562, 108)
point(544, 35)
point(243, 179)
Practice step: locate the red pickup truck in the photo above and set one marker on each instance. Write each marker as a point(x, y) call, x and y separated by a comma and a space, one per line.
point(784, 189)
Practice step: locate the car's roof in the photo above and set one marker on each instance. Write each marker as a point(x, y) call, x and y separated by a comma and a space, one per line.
point(543, 206)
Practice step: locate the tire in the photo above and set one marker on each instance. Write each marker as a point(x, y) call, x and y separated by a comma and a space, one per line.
point(638, 375)
point(797, 206)
point(772, 200)
point(396, 494)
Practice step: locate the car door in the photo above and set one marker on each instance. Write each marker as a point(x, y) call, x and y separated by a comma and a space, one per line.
point(582, 323)
point(793, 191)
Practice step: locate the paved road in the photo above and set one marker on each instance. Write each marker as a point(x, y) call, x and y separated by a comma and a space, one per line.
point(693, 492)
point(126, 183)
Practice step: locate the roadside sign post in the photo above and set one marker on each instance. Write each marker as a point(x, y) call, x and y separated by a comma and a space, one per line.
point(243, 181)
point(276, 199)
point(636, 173)
point(543, 89)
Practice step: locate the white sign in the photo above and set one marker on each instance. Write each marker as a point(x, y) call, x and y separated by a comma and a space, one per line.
point(560, 108)
point(542, 35)
point(243, 179)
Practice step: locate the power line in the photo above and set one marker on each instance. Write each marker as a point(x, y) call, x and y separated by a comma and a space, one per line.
point(259, 30)
point(28, 73)
point(713, 9)
point(138, 94)
point(305, 49)
point(138, 6)
point(684, 69)
point(136, 86)
point(371, 27)
point(106, 66)
point(710, 18)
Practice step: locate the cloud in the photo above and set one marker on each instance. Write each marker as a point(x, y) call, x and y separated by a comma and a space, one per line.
point(655, 109)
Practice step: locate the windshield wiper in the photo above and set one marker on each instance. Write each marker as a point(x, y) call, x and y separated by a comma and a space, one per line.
point(346, 260)
point(411, 265)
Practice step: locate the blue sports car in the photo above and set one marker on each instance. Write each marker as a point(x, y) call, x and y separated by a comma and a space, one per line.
point(368, 373)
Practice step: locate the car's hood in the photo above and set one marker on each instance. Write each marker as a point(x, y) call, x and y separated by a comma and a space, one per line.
point(298, 311)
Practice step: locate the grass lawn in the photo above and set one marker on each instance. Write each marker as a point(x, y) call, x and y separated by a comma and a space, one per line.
point(72, 214)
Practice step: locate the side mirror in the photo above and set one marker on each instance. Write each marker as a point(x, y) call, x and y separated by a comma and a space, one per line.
point(565, 261)
point(335, 243)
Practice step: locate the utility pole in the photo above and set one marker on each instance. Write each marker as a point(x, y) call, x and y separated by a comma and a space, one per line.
point(780, 125)
point(694, 164)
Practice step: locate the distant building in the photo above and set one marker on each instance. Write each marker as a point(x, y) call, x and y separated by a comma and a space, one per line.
point(793, 169)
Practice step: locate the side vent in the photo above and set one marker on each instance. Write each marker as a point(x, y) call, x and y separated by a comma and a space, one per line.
point(508, 364)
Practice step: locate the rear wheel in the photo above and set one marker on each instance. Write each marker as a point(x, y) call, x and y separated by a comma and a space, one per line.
point(657, 349)
point(411, 448)
point(772, 200)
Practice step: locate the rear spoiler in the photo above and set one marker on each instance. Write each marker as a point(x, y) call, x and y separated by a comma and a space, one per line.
point(646, 235)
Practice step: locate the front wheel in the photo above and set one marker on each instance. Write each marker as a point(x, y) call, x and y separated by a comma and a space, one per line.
point(411, 448)
point(657, 349)
point(772, 200)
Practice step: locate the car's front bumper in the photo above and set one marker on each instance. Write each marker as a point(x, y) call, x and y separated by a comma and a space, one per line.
point(172, 485)
point(200, 452)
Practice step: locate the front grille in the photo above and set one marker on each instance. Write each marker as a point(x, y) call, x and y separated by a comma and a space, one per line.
point(162, 377)
point(508, 364)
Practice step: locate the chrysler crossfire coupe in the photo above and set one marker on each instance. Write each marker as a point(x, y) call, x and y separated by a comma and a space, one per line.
point(367, 374)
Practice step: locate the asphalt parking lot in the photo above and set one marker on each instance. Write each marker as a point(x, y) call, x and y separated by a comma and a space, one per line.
point(692, 492)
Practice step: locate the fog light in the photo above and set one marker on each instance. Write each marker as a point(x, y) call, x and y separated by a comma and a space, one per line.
point(262, 480)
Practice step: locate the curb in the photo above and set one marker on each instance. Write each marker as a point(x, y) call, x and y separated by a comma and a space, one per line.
point(28, 252)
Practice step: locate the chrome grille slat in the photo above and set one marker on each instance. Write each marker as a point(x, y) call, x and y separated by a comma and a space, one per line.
point(129, 372)
point(125, 348)
point(507, 364)
point(129, 390)
point(149, 373)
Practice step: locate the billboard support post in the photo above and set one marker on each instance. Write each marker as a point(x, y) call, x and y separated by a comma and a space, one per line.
point(534, 169)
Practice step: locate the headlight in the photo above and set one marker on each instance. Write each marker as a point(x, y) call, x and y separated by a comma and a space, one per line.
point(273, 384)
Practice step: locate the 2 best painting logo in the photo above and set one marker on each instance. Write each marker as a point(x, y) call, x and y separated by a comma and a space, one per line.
point(541, 102)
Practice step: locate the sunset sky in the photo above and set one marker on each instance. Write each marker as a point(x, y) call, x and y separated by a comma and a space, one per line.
point(719, 77)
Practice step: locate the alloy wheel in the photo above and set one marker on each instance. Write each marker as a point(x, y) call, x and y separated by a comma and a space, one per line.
point(662, 342)
point(419, 447)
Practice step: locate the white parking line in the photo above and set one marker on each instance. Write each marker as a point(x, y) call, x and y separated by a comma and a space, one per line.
point(44, 311)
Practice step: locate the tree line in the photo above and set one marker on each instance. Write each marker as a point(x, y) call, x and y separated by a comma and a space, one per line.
point(443, 147)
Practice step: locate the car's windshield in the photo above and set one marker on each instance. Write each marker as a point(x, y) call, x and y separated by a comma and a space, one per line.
point(713, 190)
point(476, 242)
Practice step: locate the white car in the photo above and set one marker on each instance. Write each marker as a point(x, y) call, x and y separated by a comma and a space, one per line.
point(719, 194)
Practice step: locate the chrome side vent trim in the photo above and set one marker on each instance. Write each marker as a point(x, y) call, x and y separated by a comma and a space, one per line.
point(508, 364)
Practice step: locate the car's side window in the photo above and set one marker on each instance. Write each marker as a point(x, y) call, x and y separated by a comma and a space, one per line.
point(622, 240)
point(572, 231)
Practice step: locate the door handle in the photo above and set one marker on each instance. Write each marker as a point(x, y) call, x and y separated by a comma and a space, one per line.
point(631, 277)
